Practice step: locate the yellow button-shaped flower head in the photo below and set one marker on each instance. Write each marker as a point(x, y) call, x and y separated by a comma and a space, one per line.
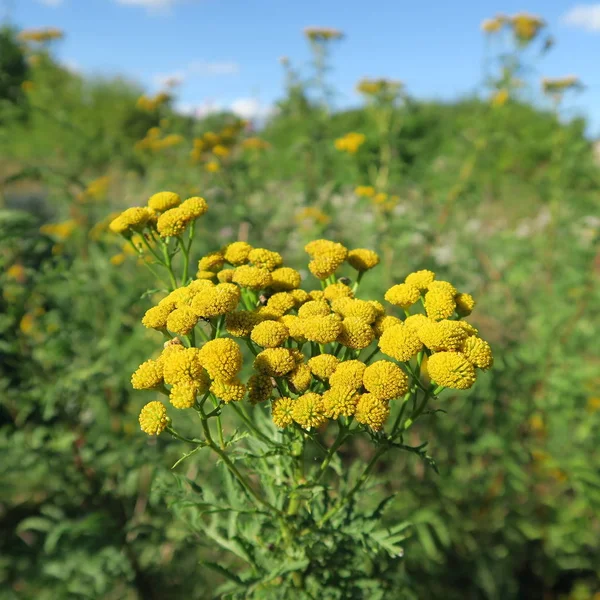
point(451, 369)
point(477, 352)
point(225, 276)
point(267, 259)
point(439, 303)
point(136, 217)
point(229, 391)
point(340, 400)
point(295, 327)
point(464, 304)
point(255, 278)
point(222, 358)
point(438, 284)
point(260, 388)
point(363, 259)
point(300, 378)
point(356, 333)
point(354, 308)
point(182, 365)
point(163, 201)
point(338, 290)
point(194, 207)
point(372, 411)
point(308, 411)
point(400, 342)
point(322, 330)
point(417, 321)
point(213, 261)
point(275, 362)
point(281, 412)
point(183, 394)
point(323, 365)
point(147, 376)
point(241, 323)
point(300, 297)
point(270, 334)
point(153, 418)
point(280, 303)
point(385, 379)
point(237, 253)
point(285, 279)
point(218, 300)
point(384, 322)
point(420, 279)
point(442, 335)
point(156, 317)
point(348, 374)
point(182, 320)
point(403, 295)
point(173, 222)
point(314, 308)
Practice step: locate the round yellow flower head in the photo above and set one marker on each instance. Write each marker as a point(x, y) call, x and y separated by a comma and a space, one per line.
point(307, 411)
point(295, 327)
point(356, 333)
point(222, 358)
point(316, 295)
point(385, 379)
point(464, 304)
point(439, 303)
point(173, 222)
point(156, 317)
point(213, 261)
point(327, 257)
point(183, 394)
point(182, 365)
point(338, 290)
point(420, 279)
point(281, 412)
point(340, 400)
point(354, 308)
point(300, 378)
point(237, 253)
point(218, 300)
point(477, 352)
point(170, 347)
point(300, 297)
point(372, 411)
point(417, 321)
point(379, 308)
point(255, 278)
point(314, 308)
point(384, 322)
point(241, 323)
point(275, 362)
point(442, 335)
point(182, 320)
point(348, 374)
point(323, 266)
point(260, 388)
point(136, 217)
point(403, 295)
point(270, 334)
point(281, 303)
point(229, 391)
point(362, 259)
point(322, 330)
point(443, 285)
point(285, 279)
point(468, 328)
point(225, 276)
point(194, 207)
point(119, 226)
point(364, 191)
point(147, 376)
point(267, 259)
point(323, 365)
point(153, 418)
point(164, 201)
point(451, 369)
point(400, 342)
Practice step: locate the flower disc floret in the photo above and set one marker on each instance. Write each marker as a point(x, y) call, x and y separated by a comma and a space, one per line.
point(237, 253)
point(281, 412)
point(285, 279)
point(182, 320)
point(442, 335)
point(300, 378)
point(173, 222)
point(384, 322)
point(213, 261)
point(229, 391)
point(372, 411)
point(314, 308)
point(275, 362)
point(356, 333)
point(215, 301)
point(163, 201)
point(267, 259)
point(451, 369)
point(477, 352)
point(182, 365)
point(194, 207)
point(156, 317)
point(183, 394)
point(400, 343)
point(280, 303)
point(403, 295)
point(147, 376)
point(443, 285)
point(464, 304)
point(348, 374)
point(153, 418)
point(362, 259)
point(255, 278)
point(260, 388)
point(241, 323)
point(323, 366)
point(322, 330)
point(340, 400)
point(222, 358)
point(439, 303)
point(269, 334)
point(338, 290)
point(308, 409)
point(385, 379)
point(420, 279)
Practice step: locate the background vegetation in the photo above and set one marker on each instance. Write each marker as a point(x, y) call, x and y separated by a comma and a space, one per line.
point(499, 196)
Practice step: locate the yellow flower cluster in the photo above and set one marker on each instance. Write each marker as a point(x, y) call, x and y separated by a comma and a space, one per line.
point(155, 141)
point(45, 34)
point(350, 143)
point(61, 231)
point(323, 34)
point(559, 85)
point(217, 145)
point(526, 27)
point(382, 88)
point(152, 103)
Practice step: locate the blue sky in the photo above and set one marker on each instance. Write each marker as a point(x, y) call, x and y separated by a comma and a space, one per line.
point(227, 51)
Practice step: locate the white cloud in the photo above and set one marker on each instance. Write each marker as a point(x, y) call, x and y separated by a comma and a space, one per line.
point(584, 16)
point(152, 5)
point(246, 108)
point(53, 3)
point(195, 69)
point(250, 108)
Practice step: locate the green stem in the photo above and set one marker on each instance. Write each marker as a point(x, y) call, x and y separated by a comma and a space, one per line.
point(339, 440)
point(218, 418)
point(168, 264)
point(183, 438)
point(368, 359)
point(246, 418)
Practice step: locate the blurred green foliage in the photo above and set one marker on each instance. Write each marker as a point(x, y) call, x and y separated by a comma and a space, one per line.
point(501, 200)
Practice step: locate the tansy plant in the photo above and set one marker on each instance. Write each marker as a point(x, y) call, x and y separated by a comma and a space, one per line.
point(295, 366)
